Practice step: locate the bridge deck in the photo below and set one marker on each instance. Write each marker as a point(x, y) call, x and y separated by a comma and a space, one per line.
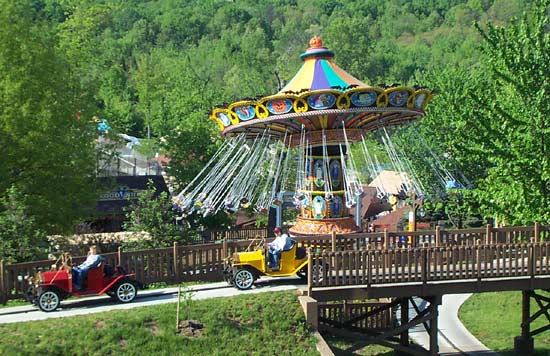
point(429, 271)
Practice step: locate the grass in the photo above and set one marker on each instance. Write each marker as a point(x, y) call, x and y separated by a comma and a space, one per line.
point(259, 324)
point(14, 303)
point(495, 318)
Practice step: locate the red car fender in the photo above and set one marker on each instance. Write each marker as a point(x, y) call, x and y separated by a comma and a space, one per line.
point(106, 288)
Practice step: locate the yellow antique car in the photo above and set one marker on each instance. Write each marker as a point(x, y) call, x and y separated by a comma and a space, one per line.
point(243, 268)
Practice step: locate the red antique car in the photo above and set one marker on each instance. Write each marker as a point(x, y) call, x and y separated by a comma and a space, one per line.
point(48, 289)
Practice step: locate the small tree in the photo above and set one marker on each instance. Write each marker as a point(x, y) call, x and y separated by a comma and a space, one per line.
point(20, 238)
point(153, 213)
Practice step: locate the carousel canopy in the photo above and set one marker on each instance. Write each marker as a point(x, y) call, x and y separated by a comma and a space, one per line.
point(322, 97)
point(320, 72)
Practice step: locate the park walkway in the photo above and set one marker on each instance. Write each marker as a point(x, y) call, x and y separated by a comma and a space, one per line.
point(453, 337)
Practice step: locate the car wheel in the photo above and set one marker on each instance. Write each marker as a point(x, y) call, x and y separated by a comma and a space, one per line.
point(317, 273)
point(243, 279)
point(302, 273)
point(125, 292)
point(48, 300)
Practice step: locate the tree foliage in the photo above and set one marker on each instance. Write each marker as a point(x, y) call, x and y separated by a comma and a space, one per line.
point(152, 214)
point(492, 119)
point(47, 153)
point(21, 238)
point(515, 125)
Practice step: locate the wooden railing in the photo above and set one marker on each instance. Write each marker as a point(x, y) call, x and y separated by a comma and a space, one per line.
point(171, 265)
point(210, 236)
point(341, 313)
point(360, 257)
point(428, 264)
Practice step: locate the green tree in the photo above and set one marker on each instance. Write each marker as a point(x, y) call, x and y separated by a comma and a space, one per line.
point(46, 142)
point(21, 239)
point(491, 120)
point(152, 213)
point(517, 186)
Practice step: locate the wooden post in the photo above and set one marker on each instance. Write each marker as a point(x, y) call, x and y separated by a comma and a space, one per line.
point(434, 313)
point(478, 259)
point(333, 239)
point(386, 239)
point(309, 272)
point(488, 235)
point(531, 260)
point(424, 263)
point(404, 337)
point(437, 236)
point(178, 309)
point(224, 248)
point(119, 255)
point(177, 269)
point(537, 232)
point(524, 345)
point(3, 289)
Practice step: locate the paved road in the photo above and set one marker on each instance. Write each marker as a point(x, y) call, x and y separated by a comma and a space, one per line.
point(99, 304)
point(453, 337)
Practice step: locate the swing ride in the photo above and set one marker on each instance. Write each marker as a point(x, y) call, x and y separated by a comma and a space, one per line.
point(299, 140)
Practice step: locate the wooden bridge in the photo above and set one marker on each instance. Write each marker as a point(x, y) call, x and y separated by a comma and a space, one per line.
point(460, 261)
point(398, 266)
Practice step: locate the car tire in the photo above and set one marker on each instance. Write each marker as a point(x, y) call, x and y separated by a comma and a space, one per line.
point(48, 300)
point(317, 273)
point(302, 273)
point(243, 279)
point(125, 292)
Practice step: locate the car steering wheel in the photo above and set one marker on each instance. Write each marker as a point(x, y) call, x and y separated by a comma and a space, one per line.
point(67, 261)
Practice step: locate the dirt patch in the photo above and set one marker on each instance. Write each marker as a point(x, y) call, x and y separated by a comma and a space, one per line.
point(238, 322)
point(190, 328)
point(153, 327)
point(122, 343)
point(100, 325)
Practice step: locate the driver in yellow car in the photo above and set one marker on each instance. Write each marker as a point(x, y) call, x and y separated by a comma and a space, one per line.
point(282, 242)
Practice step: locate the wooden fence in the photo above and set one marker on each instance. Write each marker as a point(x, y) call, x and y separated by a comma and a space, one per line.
point(210, 236)
point(369, 251)
point(427, 264)
point(340, 313)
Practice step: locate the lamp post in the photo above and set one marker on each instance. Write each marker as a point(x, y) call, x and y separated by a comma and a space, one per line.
point(412, 213)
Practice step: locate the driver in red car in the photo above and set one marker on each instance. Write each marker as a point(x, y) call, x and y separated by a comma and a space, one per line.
point(93, 260)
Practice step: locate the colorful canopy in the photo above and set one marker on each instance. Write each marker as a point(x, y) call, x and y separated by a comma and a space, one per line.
point(322, 97)
point(320, 72)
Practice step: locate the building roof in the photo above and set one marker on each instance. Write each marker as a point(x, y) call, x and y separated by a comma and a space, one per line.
point(391, 182)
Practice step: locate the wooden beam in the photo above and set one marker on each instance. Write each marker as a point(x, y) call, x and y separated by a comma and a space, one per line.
point(374, 311)
point(397, 290)
point(543, 310)
point(434, 313)
point(526, 297)
point(411, 349)
point(404, 306)
point(415, 321)
point(417, 310)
